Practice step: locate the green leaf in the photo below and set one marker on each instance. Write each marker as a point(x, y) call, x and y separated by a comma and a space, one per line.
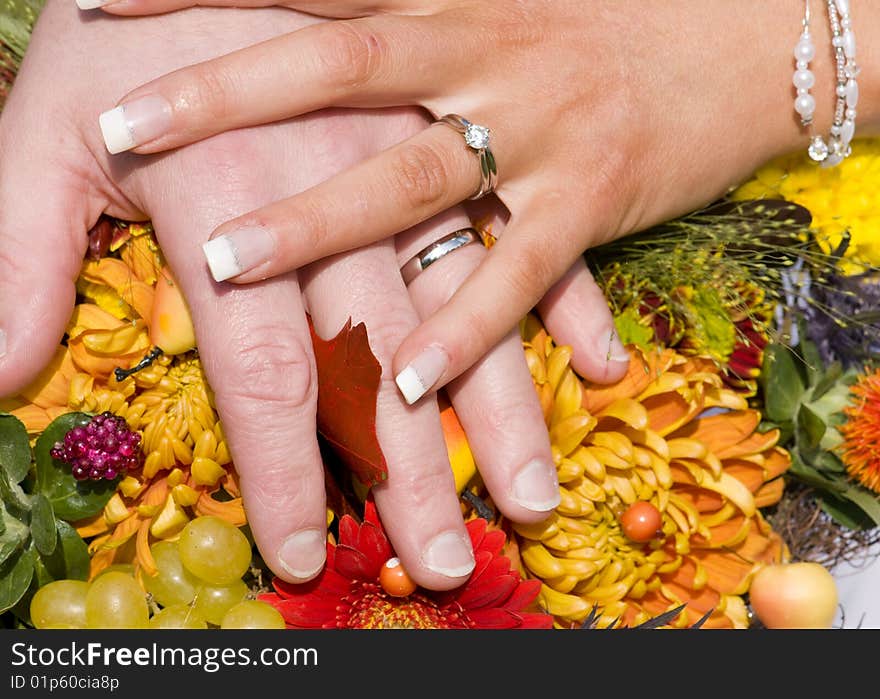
point(833, 373)
point(783, 384)
point(811, 428)
point(70, 560)
point(14, 536)
point(847, 513)
point(43, 525)
point(71, 499)
point(866, 500)
point(828, 462)
point(13, 496)
point(15, 576)
point(15, 448)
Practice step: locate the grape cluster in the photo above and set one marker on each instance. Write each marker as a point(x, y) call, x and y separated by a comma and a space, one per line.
point(198, 585)
point(102, 448)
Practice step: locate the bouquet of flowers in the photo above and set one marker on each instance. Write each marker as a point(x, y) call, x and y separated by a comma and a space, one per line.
point(744, 439)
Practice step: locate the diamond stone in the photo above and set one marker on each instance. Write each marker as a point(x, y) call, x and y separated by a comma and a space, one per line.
point(818, 149)
point(476, 136)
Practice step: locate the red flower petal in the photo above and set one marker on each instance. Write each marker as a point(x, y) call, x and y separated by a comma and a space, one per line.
point(476, 530)
point(493, 542)
point(355, 564)
point(490, 595)
point(524, 595)
point(495, 619)
point(373, 543)
point(307, 612)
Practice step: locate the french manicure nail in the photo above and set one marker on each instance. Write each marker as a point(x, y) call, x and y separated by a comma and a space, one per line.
point(136, 122)
point(92, 4)
point(422, 373)
point(304, 553)
point(449, 554)
point(235, 253)
point(612, 348)
point(536, 486)
point(2, 343)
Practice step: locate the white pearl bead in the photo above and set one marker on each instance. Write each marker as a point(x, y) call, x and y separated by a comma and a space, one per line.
point(842, 6)
point(846, 23)
point(802, 65)
point(852, 93)
point(850, 113)
point(803, 79)
point(804, 50)
point(849, 43)
point(840, 90)
point(847, 131)
point(805, 105)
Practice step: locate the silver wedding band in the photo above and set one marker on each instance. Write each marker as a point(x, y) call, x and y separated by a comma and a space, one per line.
point(419, 262)
point(477, 138)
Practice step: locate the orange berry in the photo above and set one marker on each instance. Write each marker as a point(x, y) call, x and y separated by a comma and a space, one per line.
point(395, 580)
point(641, 522)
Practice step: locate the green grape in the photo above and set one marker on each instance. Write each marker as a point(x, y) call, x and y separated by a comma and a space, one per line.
point(214, 550)
point(172, 584)
point(252, 614)
point(127, 568)
point(60, 604)
point(213, 601)
point(116, 601)
point(178, 616)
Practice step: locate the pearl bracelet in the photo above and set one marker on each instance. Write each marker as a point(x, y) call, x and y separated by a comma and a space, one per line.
point(831, 151)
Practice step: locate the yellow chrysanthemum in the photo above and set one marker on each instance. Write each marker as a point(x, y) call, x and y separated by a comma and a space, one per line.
point(840, 199)
point(650, 438)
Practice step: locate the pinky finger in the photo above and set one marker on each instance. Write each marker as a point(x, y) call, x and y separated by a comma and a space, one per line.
point(576, 313)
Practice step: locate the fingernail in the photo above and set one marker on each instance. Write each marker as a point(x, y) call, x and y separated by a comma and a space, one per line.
point(422, 373)
point(136, 122)
point(449, 554)
point(536, 486)
point(235, 253)
point(303, 554)
point(611, 347)
point(92, 4)
point(2, 343)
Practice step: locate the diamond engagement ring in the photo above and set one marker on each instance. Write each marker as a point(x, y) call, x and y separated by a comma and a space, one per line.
point(439, 248)
point(477, 138)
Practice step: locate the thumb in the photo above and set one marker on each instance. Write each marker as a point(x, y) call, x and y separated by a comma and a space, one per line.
point(44, 218)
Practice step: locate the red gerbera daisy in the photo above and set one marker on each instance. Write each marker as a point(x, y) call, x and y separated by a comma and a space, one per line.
point(348, 593)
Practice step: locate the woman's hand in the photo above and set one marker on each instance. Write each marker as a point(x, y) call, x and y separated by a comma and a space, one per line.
point(605, 118)
point(254, 341)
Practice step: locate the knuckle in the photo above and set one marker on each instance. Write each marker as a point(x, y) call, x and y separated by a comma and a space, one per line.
point(276, 483)
point(212, 91)
point(271, 371)
point(530, 271)
point(307, 215)
point(425, 487)
point(350, 54)
point(420, 175)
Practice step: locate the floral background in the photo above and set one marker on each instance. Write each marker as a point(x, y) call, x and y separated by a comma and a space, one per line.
point(745, 435)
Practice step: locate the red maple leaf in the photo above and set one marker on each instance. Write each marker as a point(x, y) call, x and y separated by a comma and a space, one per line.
point(348, 386)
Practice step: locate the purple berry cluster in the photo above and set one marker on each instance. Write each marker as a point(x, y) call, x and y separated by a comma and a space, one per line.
point(103, 448)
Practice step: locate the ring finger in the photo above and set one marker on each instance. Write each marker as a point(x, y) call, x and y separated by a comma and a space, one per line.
point(495, 400)
point(417, 503)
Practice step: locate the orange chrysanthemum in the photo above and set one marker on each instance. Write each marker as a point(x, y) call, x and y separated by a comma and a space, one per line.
point(860, 450)
point(670, 433)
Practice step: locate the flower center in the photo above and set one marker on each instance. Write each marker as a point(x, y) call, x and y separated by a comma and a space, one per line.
point(372, 608)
